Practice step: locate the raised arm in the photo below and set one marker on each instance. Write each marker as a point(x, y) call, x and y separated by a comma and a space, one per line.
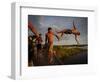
point(74, 25)
point(76, 38)
point(32, 28)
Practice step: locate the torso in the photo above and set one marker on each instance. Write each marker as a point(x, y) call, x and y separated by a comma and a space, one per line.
point(50, 37)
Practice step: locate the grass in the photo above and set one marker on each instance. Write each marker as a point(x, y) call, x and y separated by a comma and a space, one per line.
point(64, 52)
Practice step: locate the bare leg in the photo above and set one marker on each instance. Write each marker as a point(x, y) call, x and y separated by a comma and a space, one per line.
point(50, 54)
point(62, 31)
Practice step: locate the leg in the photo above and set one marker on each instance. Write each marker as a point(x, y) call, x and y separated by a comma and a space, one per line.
point(39, 52)
point(50, 54)
point(60, 35)
point(65, 31)
point(50, 57)
point(62, 31)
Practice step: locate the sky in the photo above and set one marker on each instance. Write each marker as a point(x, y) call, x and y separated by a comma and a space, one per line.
point(59, 23)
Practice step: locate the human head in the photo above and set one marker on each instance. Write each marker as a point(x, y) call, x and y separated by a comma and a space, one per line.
point(40, 34)
point(49, 29)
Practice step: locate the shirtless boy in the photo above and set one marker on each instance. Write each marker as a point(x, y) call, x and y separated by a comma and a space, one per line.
point(49, 39)
point(73, 31)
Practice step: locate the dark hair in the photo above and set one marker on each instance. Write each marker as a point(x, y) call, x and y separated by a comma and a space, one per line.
point(49, 28)
point(40, 34)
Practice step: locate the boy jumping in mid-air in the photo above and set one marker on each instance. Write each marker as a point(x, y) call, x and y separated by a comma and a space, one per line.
point(73, 31)
point(49, 39)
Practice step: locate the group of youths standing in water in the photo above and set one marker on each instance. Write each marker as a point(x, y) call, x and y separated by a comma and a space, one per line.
point(49, 38)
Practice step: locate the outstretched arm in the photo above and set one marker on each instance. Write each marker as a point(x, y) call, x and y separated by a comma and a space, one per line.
point(62, 31)
point(74, 25)
point(32, 28)
point(76, 38)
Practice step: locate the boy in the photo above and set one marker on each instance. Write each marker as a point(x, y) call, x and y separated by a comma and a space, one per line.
point(49, 39)
point(39, 42)
point(73, 31)
point(39, 48)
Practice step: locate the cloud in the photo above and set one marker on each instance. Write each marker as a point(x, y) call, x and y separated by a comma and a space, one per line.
point(60, 23)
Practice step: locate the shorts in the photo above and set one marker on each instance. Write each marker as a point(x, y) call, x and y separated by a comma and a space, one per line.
point(68, 31)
